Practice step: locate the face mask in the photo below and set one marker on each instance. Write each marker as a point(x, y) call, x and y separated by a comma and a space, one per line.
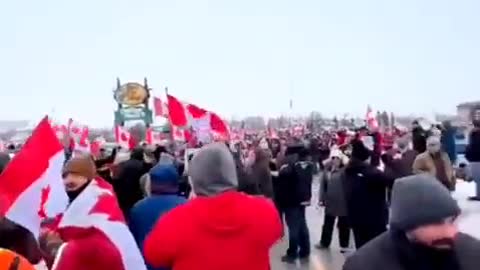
point(73, 194)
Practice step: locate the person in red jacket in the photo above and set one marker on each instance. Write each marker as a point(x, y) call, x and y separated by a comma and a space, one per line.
point(219, 229)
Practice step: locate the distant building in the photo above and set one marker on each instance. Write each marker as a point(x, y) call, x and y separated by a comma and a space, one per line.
point(469, 111)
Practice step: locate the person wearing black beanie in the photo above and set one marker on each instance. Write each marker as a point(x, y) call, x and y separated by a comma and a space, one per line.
point(359, 151)
point(365, 189)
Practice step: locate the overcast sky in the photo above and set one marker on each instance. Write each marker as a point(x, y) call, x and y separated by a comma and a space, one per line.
point(239, 57)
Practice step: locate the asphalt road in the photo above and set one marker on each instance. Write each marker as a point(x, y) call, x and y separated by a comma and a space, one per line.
point(333, 260)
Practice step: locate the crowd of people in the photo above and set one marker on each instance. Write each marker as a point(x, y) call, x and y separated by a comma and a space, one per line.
point(229, 203)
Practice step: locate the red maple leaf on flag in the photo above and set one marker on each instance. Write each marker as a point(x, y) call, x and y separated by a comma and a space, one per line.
point(45, 194)
point(107, 204)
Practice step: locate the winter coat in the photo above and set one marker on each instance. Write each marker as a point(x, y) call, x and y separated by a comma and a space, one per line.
point(448, 143)
point(424, 163)
point(399, 167)
point(419, 140)
point(260, 175)
point(332, 193)
point(296, 184)
point(386, 252)
point(276, 183)
point(87, 249)
point(245, 183)
point(283, 187)
point(377, 148)
point(146, 213)
point(231, 231)
point(472, 152)
point(103, 166)
point(127, 183)
point(365, 192)
point(304, 173)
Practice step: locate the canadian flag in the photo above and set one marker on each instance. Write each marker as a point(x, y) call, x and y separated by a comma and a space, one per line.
point(160, 107)
point(154, 137)
point(176, 112)
point(31, 187)
point(189, 115)
point(298, 130)
point(370, 119)
point(61, 130)
point(272, 133)
point(96, 210)
point(123, 137)
point(96, 145)
point(178, 134)
point(219, 126)
point(75, 129)
point(83, 145)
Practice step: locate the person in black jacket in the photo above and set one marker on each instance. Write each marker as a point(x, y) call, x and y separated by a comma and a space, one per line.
point(472, 154)
point(103, 165)
point(423, 234)
point(419, 137)
point(365, 193)
point(259, 173)
point(297, 175)
point(245, 183)
point(127, 181)
point(276, 185)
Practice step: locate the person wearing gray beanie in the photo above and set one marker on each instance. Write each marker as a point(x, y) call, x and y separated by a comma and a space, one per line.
point(220, 227)
point(423, 234)
point(212, 170)
point(420, 200)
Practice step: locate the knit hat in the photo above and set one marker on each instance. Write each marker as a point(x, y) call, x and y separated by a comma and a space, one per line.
point(164, 175)
point(82, 165)
point(359, 150)
point(212, 170)
point(419, 200)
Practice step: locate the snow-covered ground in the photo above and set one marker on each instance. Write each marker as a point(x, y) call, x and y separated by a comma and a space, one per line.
point(469, 221)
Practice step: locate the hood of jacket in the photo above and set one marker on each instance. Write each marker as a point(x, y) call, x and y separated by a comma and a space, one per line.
point(225, 214)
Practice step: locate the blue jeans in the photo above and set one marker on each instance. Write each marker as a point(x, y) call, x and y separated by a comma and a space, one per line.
point(298, 235)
